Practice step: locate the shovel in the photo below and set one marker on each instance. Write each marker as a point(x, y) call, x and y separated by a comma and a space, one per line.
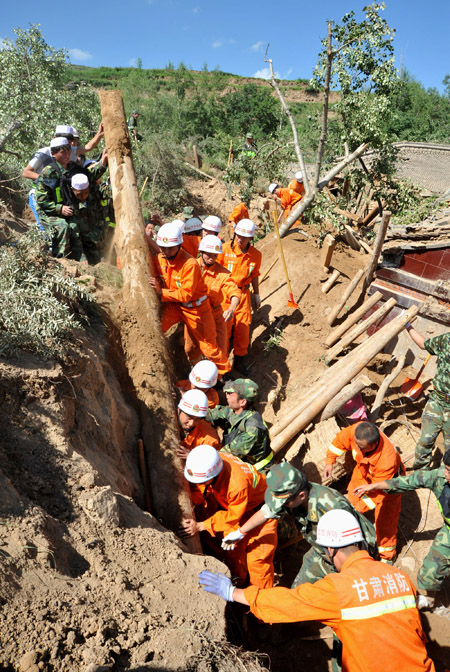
point(411, 388)
point(291, 302)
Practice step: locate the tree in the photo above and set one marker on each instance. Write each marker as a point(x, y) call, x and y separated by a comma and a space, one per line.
point(34, 97)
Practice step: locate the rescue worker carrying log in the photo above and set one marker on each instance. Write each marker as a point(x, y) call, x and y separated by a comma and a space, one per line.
point(436, 565)
point(203, 376)
point(436, 414)
point(223, 293)
point(371, 608)
point(184, 294)
point(288, 490)
point(243, 261)
point(192, 411)
point(236, 489)
point(288, 197)
point(376, 459)
point(245, 433)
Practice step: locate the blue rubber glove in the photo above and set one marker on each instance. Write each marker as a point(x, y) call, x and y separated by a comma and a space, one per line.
point(219, 584)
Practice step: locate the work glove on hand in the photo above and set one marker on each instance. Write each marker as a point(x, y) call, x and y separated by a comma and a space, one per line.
point(219, 584)
point(229, 542)
point(256, 301)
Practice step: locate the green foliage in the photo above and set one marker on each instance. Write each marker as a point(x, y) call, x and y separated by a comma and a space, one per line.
point(251, 108)
point(34, 97)
point(37, 301)
point(363, 70)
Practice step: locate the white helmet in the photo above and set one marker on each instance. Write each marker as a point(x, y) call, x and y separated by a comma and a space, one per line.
point(193, 224)
point(272, 187)
point(180, 223)
point(338, 528)
point(169, 235)
point(299, 176)
point(212, 223)
point(204, 374)
point(202, 464)
point(194, 402)
point(211, 244)
point(245, 228)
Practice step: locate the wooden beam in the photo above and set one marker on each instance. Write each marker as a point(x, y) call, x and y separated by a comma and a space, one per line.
point(330, 282)
point(377, 247)
point(346, 295)
point(353, 318)
point(328, 249)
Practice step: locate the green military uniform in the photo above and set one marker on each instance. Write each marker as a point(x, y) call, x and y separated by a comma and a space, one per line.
point(436, 414)
point(245, 435)
point(283, 482)
point(436, 565)
point(88, 217)
point(52, 192)
point(132, 126)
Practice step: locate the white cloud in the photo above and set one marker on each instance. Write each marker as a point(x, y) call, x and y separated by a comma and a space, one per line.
point(195, 10)
point(79, 55)
point(265, 74)
point(288, 73)
point(222, 43)
point(258, 46)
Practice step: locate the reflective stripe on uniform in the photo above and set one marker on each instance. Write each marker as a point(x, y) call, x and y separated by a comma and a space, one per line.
point(264, 462)
point(385, 549)
point(337, 451)
point(379, 608)
point(59, 198)
point(368, 502)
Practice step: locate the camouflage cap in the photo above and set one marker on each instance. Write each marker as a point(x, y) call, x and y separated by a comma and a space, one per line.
point(283, 481)
point(188, 211)
point(244, 387)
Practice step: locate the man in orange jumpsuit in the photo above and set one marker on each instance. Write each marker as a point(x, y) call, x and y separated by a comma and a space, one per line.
point(238, 490)
point(192, 410)
point(371, 608)
point(243, 261)
point(376, 460)
point(297, 183)
point(184, 294)
point(240, 211)
point(223, 293)
point(203, 376)
point(287, 196)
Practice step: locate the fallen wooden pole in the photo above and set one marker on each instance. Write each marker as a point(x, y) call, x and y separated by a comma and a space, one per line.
point(346, 295)
point(353, 318)
point(372, 214)
point(330, 282)
point(268, 270)
point(377, 247)
point(347, 393)
point(338, 375)
point(384, 388)
point(360, 329)
point(137, 313)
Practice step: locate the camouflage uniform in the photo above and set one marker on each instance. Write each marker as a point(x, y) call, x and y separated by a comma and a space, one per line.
point(88, 219)
point(284, 482)
point(50, 197)
point(436, 414)
point(436, 565)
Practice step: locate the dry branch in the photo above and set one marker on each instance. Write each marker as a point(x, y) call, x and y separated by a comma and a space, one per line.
point(384, 387)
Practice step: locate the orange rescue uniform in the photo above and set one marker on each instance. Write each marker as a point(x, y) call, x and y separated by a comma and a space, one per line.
point(243, 266)
point(370, 606)
point(239, 491)
point(211, 393)
point(381, 465)
point(185, 299)
point(203, 433)
point(288, 198)
point(190, 244)
point(240, 211)
point(299, 187)
point(221, 288)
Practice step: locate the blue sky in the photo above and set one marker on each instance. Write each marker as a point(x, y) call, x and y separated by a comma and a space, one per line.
point(231, 34)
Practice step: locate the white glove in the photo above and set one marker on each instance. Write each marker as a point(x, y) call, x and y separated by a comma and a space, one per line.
point(229, 542)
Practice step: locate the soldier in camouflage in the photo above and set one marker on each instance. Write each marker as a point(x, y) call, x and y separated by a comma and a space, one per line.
point(245, 433)
point(88, 217)
point(55, 199)
point(436, 565)
point(436, 414)
point(288, 489)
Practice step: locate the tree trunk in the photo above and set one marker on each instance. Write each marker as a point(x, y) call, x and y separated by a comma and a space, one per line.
point(347, 393)
point(346, 295)
point(353, 318)
point(339, 375)
point(377, 246)
point(137, 314)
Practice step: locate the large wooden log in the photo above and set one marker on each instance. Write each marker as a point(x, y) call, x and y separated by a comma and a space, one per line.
point(346, 295)
point(377, 247)
point(137, 315)
point(353, 318)
point(338, 375)
point(330, 282)
point(347, 393)
point(360, 329)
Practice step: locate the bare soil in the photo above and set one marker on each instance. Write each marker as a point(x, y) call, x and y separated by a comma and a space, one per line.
point(87, 577)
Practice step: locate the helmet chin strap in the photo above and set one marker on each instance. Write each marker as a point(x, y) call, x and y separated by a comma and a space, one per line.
point(335, 550)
